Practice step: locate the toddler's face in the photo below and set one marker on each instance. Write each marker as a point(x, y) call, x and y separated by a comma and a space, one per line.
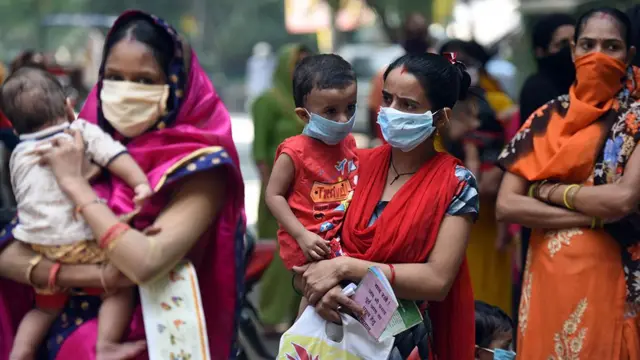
point(337, 105)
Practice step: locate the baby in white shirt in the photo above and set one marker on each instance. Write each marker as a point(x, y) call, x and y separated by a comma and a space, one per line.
point(49, 222)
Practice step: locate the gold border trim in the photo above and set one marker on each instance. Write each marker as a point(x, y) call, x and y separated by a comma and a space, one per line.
point(183, 161)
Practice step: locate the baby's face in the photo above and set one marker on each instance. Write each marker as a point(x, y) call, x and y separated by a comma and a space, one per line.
point(337, 105)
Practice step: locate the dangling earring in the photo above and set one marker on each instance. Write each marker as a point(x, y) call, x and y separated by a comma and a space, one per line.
point(437, 143)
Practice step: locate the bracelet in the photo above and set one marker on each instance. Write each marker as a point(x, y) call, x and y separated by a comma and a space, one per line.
point(393, 274)
point(553, 188)
point(102, 281)
point(567, 198)
point(532, 190)
point(536, 192)
point(113, 232)
point(32, 265)
point(293, 285)
point(53, 274)
point(81, 208)
point(116, 239)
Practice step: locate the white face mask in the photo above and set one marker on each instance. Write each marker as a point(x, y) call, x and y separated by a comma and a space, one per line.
point(133, 108)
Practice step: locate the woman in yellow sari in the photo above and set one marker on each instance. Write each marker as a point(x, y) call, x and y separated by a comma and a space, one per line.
point(571, 168)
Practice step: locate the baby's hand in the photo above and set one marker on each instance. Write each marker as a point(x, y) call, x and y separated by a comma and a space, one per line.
point(313, 246)
point(143, 192)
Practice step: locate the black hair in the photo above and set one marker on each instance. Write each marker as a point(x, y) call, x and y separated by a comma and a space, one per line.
point(490, 321)
point(444, 83)
point(622, 18)
point(471, 48)
point(143, 30)
point(32, 98)
point(546, 26)
point(634, 16)
point(324, 71)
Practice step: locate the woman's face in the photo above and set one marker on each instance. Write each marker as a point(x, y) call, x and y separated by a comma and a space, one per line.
point(602, 33)
point(402, 91)
point(131, 60)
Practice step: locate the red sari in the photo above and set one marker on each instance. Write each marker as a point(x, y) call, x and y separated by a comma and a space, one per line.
point(406, 232)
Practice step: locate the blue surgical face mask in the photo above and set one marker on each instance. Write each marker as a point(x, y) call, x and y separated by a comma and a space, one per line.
point(405, 131)
point(327, 131)
point(500, 354)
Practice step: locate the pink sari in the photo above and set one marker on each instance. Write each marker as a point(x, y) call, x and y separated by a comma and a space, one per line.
point(194, 137)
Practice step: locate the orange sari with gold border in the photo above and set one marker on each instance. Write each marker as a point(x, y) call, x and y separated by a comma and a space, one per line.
point(581, 286)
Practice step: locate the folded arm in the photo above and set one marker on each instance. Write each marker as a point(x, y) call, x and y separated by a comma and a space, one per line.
point(514, 206)
point(610, 201)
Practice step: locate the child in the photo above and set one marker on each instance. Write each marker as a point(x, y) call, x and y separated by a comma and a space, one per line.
point(494, 333)
point(315, 173)
point(35, 103)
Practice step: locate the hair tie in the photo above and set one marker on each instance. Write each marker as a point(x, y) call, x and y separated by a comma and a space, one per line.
point(451, 56)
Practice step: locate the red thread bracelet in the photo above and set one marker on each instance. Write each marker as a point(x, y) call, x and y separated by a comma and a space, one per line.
point(393, 274)
point(53, 274)
point(112, 233)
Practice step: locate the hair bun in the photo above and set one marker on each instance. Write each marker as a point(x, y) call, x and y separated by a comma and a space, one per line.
point(465, 80)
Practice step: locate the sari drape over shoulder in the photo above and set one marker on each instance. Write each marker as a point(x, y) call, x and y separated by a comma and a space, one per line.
point(406, 232)
point(580, 294)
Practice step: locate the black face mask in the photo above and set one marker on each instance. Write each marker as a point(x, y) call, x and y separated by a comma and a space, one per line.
point(416, 45)
point(560, 67)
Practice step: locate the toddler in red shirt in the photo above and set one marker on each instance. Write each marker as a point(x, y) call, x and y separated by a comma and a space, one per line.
point(315, 173)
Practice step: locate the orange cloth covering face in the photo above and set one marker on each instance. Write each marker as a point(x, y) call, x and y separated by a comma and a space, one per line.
point(566, 149)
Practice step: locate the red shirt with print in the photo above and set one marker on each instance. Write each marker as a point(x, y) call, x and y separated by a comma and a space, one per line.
point(324, 179)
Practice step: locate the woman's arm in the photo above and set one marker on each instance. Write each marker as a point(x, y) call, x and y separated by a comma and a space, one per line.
point(142, 258)
point(428, 281)
point(421, 281)
point(15, 260)
point(514, 206)
point(610, 201)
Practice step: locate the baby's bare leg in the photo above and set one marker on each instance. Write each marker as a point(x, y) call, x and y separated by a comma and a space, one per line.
point(113, 319)
point(32, 332)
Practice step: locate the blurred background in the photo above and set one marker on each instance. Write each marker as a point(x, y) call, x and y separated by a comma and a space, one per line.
point(225, 32)
point(236, 41)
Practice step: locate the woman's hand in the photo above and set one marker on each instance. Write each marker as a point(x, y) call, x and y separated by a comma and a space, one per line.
point(334, 302)
point(65, 157)
point(114, 279)
point(320, 277)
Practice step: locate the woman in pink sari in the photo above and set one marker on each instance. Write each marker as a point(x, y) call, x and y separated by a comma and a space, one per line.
point(196, 212)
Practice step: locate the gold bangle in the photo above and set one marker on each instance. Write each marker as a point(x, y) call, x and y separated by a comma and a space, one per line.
point(32, 265)
point(554, 187)
point(532, 190)
point(572, 196)
point(568, 203)
point(102, 280)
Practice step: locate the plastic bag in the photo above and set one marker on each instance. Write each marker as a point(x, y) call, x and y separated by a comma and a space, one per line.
point(313, 338)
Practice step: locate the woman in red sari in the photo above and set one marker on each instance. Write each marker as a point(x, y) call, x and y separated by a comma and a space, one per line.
point(411, 214)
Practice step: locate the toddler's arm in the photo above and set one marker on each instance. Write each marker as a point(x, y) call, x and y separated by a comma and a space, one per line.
point(109, 153)
point(282, 176)
point(124, 167)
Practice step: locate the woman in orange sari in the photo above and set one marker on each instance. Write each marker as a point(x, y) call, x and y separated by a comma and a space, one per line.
point(571, 167)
